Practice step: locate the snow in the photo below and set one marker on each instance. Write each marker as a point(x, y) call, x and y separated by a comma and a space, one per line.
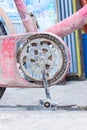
point(73, 92)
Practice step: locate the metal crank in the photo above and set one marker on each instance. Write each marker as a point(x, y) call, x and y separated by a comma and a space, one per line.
point(46, 103)
point(43, 60)
point(46, 47)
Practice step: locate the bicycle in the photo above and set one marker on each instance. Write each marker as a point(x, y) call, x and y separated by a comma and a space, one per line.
point(34, 59)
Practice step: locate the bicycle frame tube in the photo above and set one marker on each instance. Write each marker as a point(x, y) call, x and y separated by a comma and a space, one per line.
point(70, 24)
point(63, 28)
point(83, 3)
point(28, 21)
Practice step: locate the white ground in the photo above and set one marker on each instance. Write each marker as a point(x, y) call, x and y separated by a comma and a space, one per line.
point(70, 93)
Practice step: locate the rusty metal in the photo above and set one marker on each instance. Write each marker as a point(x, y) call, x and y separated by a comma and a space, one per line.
point(13, 70)
point(22, 56)
point(12, 62)
point(47, 47)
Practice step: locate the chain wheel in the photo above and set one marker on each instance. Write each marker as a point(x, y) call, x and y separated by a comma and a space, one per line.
point(39, 49)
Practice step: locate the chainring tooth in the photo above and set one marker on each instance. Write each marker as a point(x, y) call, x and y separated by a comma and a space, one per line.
point(46, 46)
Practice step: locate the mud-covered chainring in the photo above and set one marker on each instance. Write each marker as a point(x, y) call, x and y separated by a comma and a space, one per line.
point(39, 49)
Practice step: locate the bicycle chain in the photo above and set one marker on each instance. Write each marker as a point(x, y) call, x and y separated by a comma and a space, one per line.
point(41, 47)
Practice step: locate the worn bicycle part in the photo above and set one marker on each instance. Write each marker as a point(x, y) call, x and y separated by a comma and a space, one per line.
point(2, 32)
point(45, 82)
point(7, 21)
point(46, 103)
point(47, 47)
point(84, 3)
point(28, 21)
point(70, 24)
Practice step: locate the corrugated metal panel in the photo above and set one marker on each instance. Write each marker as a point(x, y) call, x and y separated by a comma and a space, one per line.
point(19, 27)
point(77, 44)
point(65, 9)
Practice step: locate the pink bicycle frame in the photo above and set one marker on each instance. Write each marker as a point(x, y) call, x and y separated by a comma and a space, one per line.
point(70, 24)
point(28, 21)
point(63, 28)
point(8, 77)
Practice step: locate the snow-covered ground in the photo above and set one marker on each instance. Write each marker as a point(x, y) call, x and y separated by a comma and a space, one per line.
point(73, 92)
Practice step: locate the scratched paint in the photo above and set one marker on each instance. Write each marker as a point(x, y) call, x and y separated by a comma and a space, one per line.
point(70, 24)
point(8, 53)
point(7, 61)
point(9, 74)
point(83, 3)
point(28, 21)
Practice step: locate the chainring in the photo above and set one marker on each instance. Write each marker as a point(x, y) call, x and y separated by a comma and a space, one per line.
point(39, 49)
